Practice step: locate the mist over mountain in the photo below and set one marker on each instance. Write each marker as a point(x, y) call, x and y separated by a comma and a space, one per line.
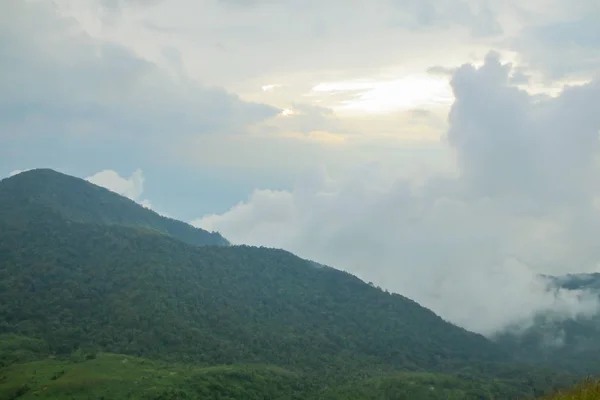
point(518, 198)
point(569, 344)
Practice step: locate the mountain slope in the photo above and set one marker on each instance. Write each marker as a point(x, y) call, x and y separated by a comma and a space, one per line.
point(146, 294)
point(137, 292)
point(81, 201)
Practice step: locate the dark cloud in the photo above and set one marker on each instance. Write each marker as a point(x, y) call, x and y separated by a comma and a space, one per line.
point(54, 73)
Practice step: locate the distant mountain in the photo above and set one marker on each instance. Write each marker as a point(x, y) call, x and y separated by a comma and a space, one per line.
point(78, 200)
point(81, 267)
point(571, 344)
point(585, 281)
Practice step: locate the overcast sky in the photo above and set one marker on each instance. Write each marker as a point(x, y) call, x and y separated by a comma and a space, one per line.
point(444, 149)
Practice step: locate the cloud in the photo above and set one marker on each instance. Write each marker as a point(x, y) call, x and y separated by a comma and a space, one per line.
point(303, 118)
point(469, 246)
point(132, 187)
point(56, 80)
point(410, 13)
point(440, 70)
point(477, 16)
point(218, 38)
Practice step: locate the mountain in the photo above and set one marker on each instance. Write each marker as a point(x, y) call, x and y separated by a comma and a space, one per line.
point(571, 344)
point(78, 200)
point(588, 281)
point(83, 268)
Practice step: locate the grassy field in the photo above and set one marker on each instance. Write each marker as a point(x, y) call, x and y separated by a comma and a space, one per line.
point(589, 390)
point(112, 376)
point(29, 371)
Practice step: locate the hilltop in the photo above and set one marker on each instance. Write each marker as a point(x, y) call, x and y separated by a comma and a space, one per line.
point(78, 200)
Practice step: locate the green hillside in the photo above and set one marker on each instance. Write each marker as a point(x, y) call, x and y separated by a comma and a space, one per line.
point(112, 376)
point(587, 390)
point(80, 201)
point(145, 294)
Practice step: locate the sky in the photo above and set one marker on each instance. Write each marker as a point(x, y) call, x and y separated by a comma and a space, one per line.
point(447, 150)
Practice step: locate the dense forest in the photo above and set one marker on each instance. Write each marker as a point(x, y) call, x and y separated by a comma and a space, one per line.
point(102, 298)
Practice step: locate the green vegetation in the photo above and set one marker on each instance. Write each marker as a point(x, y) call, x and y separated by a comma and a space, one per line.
point(113, 376)
point(588, 390)
point(128, 291)
point(101, 298)
point(96, 375)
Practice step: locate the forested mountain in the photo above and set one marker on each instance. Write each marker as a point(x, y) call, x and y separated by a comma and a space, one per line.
point(137, 292)
point(77, 200)
point(83, 268)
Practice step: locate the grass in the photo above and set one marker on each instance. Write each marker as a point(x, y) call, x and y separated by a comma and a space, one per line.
point(107, 375)
point(113, 376)
point(588, 390)
point(29, 371)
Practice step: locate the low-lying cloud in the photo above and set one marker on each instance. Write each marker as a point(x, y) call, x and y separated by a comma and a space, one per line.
point(469, 246)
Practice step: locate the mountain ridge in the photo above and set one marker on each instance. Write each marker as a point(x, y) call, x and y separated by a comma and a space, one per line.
point(87, 202)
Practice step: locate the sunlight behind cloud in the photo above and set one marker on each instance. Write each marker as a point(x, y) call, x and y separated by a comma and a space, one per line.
point(285, 112)
point(391, 95)
point(268, 88)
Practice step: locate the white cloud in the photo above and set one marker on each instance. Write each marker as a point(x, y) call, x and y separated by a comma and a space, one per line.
point(469, 246)
point(131, 187)
point(217, 39)
point(252, 48)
